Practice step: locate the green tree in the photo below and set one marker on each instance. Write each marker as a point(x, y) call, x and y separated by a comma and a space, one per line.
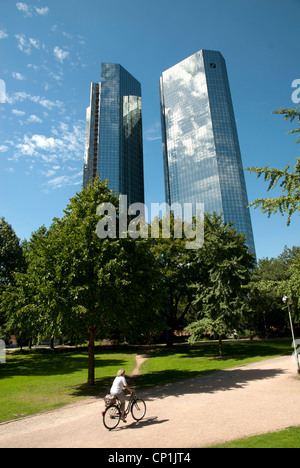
point(11, 259)
point(83, 283)
point(11, 254)
point(289, 202)
point(94, 285)
point(177, 274)
point(267, 315)
point(291, 287)
point(294, 282)
point(24, 317)
point(224, 271)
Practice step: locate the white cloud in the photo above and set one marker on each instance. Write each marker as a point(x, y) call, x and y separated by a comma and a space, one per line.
point(24, 8)
point(49, 172)
point(18, 76)
point(63, 180)
point(3, 96)
point(29, 10)
point(47, 144)
point(57, 156)
point(66, 144)
point(50, 104)
point(3, 34)
point(152, 133)
point(42, 11)
point(57, 77)
point(34, 43)
point(21, 96)
point(60, 54)
point(3, 148)
point(34, 119)
point(18, 112)
point(68, 35)
point(35, 67)
point(26, 45)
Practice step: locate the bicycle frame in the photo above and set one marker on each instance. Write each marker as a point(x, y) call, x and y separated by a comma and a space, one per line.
point(112, 413)
point(131, 401)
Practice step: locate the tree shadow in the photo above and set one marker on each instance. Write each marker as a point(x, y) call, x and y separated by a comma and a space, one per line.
point(47, 362)
point(231, 350)
point(206, 382)
point(99, 390)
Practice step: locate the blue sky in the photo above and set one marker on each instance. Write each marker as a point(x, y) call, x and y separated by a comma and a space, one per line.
point(50, 51)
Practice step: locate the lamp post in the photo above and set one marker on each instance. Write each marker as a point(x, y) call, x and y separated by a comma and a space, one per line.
point(289, 302)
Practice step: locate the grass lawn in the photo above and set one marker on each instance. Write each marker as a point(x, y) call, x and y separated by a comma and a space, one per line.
point(44, 379)
point(183, 361)
point(288, 438)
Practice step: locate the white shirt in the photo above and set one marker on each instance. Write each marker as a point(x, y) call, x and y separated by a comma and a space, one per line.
point(117, 385)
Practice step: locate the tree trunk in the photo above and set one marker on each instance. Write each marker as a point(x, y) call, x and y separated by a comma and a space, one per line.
point(91, 366)
point(170, 338)
point(220, 346)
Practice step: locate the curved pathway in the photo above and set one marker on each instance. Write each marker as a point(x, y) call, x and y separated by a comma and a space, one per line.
point(197, 412)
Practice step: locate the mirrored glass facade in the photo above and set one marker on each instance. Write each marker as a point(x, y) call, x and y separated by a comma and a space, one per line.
point(202, 159)
point(113, 143)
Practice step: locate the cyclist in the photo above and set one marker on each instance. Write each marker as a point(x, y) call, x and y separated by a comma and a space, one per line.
point(120, 384)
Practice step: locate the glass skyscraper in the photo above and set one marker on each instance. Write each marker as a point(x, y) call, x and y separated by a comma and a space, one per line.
point(113, 140)
point(202, 159)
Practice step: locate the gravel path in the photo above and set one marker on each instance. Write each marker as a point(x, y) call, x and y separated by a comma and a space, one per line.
point(201, 411)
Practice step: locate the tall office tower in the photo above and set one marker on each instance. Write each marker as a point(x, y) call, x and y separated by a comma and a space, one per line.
point(202, 159)
point(113, 139)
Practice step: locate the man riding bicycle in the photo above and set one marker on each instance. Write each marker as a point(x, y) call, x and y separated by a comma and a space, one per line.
point(120, 384)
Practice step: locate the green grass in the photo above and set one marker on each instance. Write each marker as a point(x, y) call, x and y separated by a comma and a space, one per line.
point(168, 365)
point(45, 379)
point(288, 438)
point(41, 380)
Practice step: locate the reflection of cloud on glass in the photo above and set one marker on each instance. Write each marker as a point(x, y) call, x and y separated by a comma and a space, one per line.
point(189, 134)
point(202, 160)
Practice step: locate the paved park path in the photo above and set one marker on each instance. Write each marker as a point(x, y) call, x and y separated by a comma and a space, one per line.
point(198, 412)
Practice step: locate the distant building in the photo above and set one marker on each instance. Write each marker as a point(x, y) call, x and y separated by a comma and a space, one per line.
point(113, 141)
point(202, 159)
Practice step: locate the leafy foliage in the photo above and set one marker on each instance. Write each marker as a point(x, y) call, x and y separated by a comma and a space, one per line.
point(177, 273)
point(79, 283)
point(11, 254)
point(289, 202)
point(224, 269)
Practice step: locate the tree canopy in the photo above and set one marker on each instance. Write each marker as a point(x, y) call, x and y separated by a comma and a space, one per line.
point(289, 181)
point(79, 283)
point(224, 270)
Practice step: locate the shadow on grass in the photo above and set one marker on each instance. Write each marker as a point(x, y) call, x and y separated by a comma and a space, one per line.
point(99, 390)
point(231, 350)
point(46, 362)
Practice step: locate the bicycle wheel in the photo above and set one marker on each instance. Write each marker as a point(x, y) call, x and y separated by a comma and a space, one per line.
point(111, 417)
point(138, 409)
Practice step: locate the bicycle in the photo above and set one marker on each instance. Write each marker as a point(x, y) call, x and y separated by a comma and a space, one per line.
point(112, 413)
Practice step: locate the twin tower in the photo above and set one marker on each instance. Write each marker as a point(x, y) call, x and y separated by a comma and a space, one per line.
point(202, 159)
